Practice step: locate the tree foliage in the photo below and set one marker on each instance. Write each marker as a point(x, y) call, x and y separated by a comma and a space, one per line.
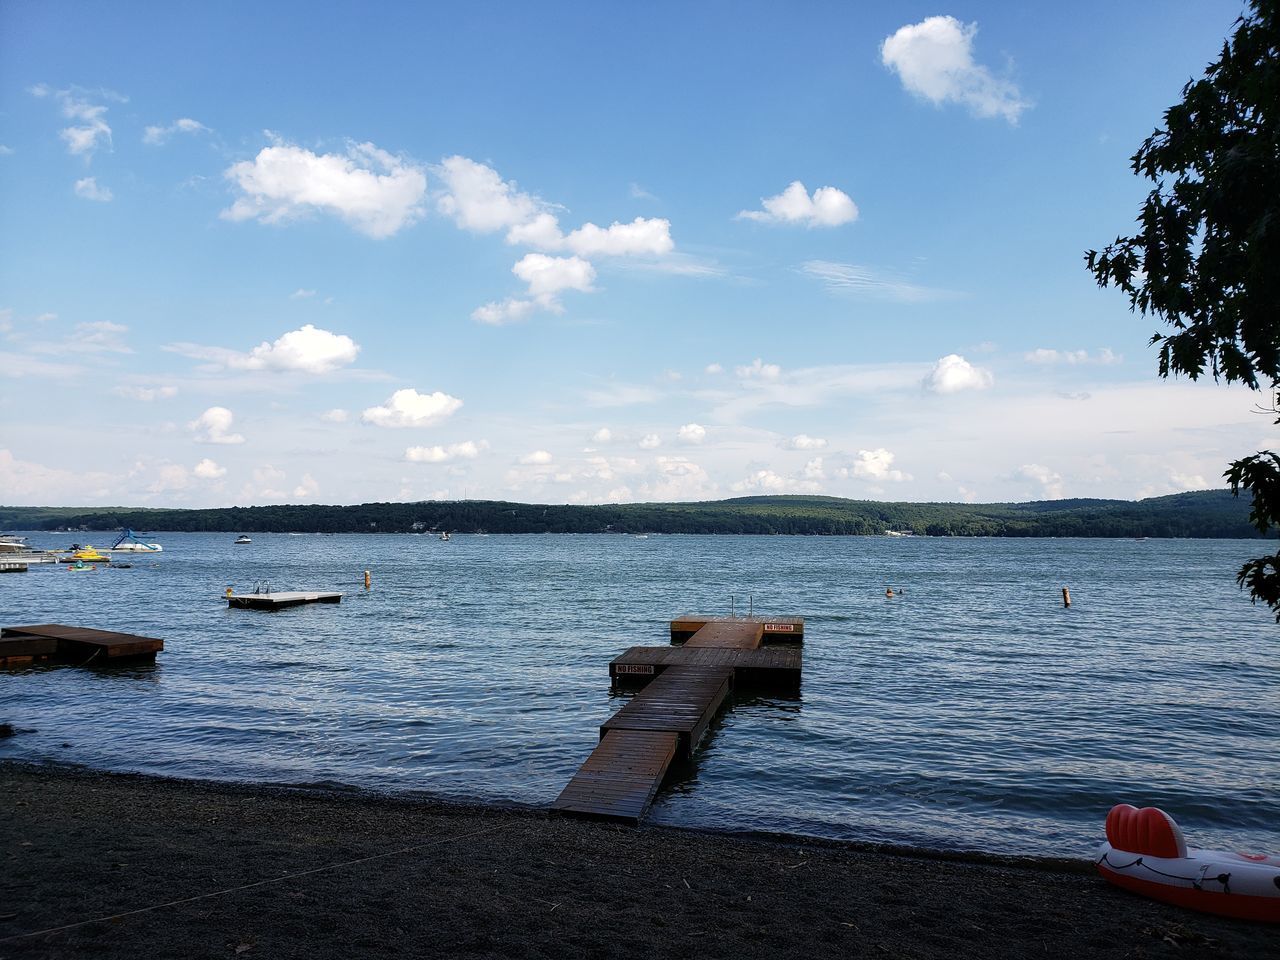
point(1206, 257)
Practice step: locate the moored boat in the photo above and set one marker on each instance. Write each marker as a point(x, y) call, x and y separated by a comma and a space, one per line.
point(243, 539)
point(1146, 853)
point(129, 542)
point(86, 555)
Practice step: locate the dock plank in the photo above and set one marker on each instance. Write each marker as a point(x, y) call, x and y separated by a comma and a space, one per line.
point(772, 669)
point(738, 635)
point(621, 777)
point(776, 629)
point(81, 643)
point(683, 700)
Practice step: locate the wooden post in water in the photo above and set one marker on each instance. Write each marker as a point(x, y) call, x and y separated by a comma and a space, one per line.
point(367, 580)
point(1066, 597)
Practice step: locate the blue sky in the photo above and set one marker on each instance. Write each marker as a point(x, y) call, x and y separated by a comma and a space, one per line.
point(256, 253)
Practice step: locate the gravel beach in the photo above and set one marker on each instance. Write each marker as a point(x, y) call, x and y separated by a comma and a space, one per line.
point(196, 869)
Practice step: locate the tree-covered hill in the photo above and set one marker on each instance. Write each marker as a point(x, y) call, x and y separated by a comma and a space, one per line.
point(1212, 513)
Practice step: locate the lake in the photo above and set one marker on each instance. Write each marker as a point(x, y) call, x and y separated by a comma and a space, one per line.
point(975, 712)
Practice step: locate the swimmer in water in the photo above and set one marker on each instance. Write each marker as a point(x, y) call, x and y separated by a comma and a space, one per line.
point(888, 593)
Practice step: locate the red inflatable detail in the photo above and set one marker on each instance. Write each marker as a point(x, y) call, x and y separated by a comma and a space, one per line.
point(1243, 907)
point(1149, 831)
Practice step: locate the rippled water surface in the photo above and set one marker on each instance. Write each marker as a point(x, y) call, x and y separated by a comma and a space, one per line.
point(975, 712)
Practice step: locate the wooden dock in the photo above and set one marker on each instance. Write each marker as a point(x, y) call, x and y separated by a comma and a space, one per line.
point(682, 688)
point(278, 601)
point(13, 566)
point(44, 642)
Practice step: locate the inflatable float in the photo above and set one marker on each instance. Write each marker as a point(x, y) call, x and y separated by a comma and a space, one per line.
point(1146, 853)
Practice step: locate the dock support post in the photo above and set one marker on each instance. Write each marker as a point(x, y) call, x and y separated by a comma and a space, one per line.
point(1066, 597)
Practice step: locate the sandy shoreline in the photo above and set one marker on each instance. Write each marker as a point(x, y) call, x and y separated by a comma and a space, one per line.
point(427, 878)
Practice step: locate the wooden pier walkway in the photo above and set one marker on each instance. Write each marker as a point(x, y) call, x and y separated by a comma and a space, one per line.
point(40, 643)
point(682, 688)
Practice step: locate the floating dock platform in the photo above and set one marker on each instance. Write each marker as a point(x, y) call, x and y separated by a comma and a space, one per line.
point(681, 689)
point(278, 601)
point(57, 642)
point(13, 566)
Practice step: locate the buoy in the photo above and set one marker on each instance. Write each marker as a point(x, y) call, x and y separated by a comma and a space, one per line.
point(367, 580)
point(1066, 597)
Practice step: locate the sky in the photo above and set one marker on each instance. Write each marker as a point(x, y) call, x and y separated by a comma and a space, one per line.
point(587, 253)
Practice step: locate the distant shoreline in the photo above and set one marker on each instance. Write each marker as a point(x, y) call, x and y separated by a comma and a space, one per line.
point(1212, 514)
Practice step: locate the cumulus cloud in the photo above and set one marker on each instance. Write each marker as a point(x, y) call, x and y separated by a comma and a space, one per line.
point(1050, 483)
point(713, 369)
point(499, 312)
point(158, 135)
point(1046, 357)
point(207, 469)
point(877, 465)
point(336, 415)
point(372, 190)
point(769, 481)
point(548, 276)
point(650, 441)
point(302, 294)
point(24, 481)
point(307, 487)
point(692, 433)
point(409, 408)
point(954, 373)
point(759, 370)
point(308, 349)
point(639, 237)
point(88, 188)
point(934, 60)
point(170, 477)
point(479, 200)
point(828, 207)
point(603, 435)
point(146, 394)
point(803, 441)
point(537, 458)
point(466, 450)
point(214, 426)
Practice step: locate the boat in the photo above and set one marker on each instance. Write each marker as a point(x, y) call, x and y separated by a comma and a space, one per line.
point(12, 543)
point(80, 565)
point(85, 555)
point(129, 542)
point(1146, 853)
point(243, 539)
point(445, 536)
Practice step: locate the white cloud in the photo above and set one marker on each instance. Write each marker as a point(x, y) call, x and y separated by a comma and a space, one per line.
point(466, 450)
point(409, 408)
point(954, 373)
point(214, 426)
point(1049, 482)
point(934, 61)
point(499, 312)
point(302, 294)
point(548, 276)
point(692, 433)
point(537, 458)
point(307, 487)
point(828, 207)
point(146, 394)
point(336, 415)
point(91, 130)
point(207, 469)
point(170, 477)
point(33, 483)
point(1047, 357)
point(1185, 481)
point(479, 200)
point(803, 441)
point(650, 441)
point(877, 465)
point(305, 350)
point(603, 435)
point(853, 279)
point(158, 135)
point(678, 478)
point(639, 237)
point(370, 189)
point(89, 189)
point(770, 482)
point(713, 369)
point(758, 369)
point(622, 395)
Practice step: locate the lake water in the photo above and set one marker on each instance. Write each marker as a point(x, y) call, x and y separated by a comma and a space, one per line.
point(974, 713)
